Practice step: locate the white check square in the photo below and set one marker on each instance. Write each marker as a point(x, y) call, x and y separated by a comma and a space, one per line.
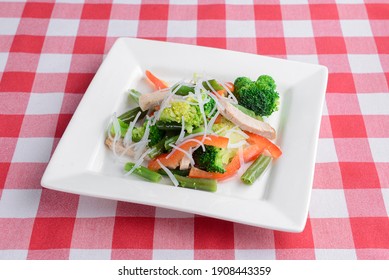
point(326, 151)
point(37, 149)
point(182, 28)
point(173, 254)
point(240, 28)
point(365, 63)
point(54, 63)
point(385, 194)
point(3, 61)
point(63, 27)
point(44, 103)
point(19, 203)
point(122, 28)
point(8, 26)
point(356, 28)
point(260, 254)
point(335, 254)
point(92, 254)
point(374, 103)
point(379, 149)
point(297, 28)
point(328, 203)
point(91, 207)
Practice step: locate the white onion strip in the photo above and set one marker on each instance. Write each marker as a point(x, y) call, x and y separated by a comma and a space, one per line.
point(138, 163)
point(175, 148)
point(127, 140)
point(182, 133)
point(169, 173)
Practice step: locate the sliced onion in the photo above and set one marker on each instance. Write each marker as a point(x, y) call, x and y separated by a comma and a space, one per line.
point(169, 173)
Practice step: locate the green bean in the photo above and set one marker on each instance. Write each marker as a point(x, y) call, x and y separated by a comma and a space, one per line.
point(255, 169)
point(183, 90)
point(209, 185)
point(143, 172)
point(130, 115)
point(214, 85)
point(175, 171)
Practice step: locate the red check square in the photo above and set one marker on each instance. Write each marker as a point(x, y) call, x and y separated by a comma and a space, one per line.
point(267, 12)
point(382, 44)
point(324, 11)
point(211, 11)
point(89, 45)
point(154, 12)
point(96, 11)
point(51, 233)
point(286, 240)
point(271, 46)
point(62, 123)
point(17, 82)
point(220, 43)
point(348, 126)
point(78, 82)
point(330, 45)
point(133, 233)
point(4, 168)
point(27, 43)
point(10, 125)
point(37, 10)
point(377, 11)
point(341, 83)
point(370, 232)
point(57, 204)
point(359, 175)
point(213, 234)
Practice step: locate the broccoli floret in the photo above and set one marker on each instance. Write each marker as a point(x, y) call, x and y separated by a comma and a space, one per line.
point(259, 96)
point(208, 107)
point(177, 110)
point(241, 82)
point(155, 135)
point(210, 160)
point(266, 82)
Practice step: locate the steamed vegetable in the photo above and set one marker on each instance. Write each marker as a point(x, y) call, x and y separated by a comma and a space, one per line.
point(260, 96)
point(143, 172)
point(255, 170)
point(198, 131)
point(210, 160)
point(181, 109)
point(209, 185)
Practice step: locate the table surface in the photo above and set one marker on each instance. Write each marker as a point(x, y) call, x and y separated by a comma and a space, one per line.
point(49, 53)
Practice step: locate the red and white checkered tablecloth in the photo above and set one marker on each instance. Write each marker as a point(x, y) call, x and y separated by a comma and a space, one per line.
point(49, 53)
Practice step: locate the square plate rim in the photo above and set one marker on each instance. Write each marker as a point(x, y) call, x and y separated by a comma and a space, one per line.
point(57, 182)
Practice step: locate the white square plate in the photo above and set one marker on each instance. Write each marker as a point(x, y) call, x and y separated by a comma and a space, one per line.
point(81, 163)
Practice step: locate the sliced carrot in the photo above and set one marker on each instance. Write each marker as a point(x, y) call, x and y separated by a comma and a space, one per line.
point(218, 119)
point(260, 141)
point(172, 160)
point(221, 92)
point(158, 83)
point(231, 170)
point(252, 152)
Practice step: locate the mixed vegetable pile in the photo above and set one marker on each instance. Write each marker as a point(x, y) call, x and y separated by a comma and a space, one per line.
point(197, 132)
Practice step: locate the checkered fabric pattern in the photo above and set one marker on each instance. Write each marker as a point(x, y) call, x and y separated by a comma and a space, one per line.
point(49, 53)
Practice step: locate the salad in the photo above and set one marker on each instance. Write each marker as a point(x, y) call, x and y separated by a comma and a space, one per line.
point(197, 132)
